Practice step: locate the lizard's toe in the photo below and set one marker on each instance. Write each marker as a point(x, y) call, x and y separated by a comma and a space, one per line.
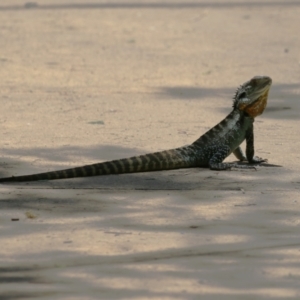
point(258, 160)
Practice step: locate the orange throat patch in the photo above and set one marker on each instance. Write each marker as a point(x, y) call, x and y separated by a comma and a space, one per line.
point(256, 108)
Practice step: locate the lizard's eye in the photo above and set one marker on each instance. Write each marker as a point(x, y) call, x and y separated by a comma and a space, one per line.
point(242, 95)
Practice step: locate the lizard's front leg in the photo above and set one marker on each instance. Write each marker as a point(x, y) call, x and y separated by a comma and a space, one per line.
point(239, 154)
point(250, 149)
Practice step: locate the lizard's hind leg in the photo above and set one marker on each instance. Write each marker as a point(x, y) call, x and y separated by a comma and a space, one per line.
point(216, 162)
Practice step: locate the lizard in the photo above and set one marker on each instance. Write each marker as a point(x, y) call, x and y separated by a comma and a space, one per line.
point(208, 151)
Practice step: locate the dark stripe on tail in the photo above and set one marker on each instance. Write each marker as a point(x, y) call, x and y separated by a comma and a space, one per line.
point(170, 159)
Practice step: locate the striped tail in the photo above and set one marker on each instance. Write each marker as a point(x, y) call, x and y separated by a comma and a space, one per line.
point(165, 160)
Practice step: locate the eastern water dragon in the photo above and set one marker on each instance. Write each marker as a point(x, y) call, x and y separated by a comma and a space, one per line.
point(209, 150)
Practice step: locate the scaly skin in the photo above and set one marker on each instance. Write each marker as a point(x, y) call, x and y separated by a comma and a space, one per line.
point(209, 150)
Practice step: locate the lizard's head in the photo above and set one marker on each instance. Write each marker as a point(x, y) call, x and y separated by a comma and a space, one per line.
point(252, 96)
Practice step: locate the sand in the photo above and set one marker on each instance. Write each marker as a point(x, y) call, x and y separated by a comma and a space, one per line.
point(84, 82)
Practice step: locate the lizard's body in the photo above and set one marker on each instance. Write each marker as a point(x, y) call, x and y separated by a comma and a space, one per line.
point(208, 151)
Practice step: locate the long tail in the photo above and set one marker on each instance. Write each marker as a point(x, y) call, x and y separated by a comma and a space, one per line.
point(165, 160)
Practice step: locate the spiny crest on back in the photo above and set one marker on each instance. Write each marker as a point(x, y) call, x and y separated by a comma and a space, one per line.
point(241, 93)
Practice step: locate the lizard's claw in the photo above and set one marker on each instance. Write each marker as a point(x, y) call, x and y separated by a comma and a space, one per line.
point(258, 160)
point(245, 167)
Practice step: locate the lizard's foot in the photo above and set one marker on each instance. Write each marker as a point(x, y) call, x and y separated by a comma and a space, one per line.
point(247, 167)
point(257, 160)
point(229, 166)
point(221, 166)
